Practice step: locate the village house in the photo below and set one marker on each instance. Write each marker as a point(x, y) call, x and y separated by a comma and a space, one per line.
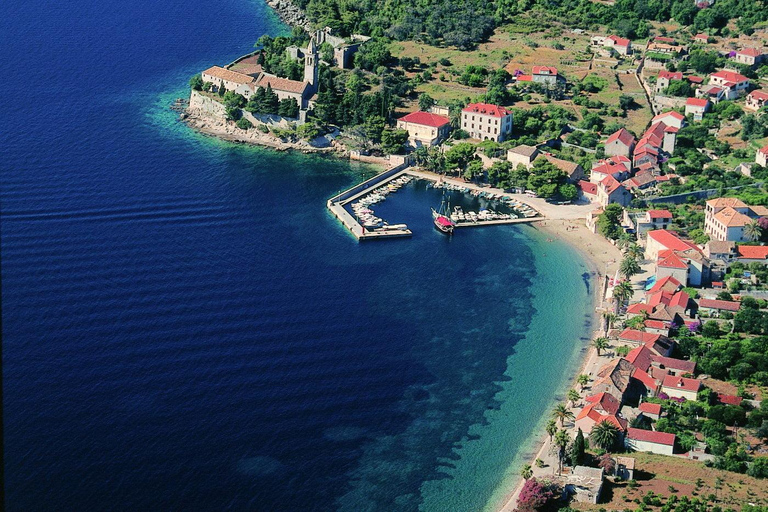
point(611, 191)
point(522, 155)
point(661, 136)
point(696, 107)
point(656, 343)
point(749, 56)
point(664, 48)
point(664, 78)
point(671, 118)
point(572, 169)
point(761, 156)
point(752, 254)
point(661, 240)
point(425, 128)
point(642, 180)
point(589, 416)
point(618, 167)
point(713, 307)
point(614, 379)
point(681, 387)
point(756, 100)
point(486, 122)
point(546, 75)
point(620, 143)
point(730, 84)
point(585, 484)
point(701, 38)
point(650, 441)
point(594, 215)
point(726, 217)
point(651, 411)
point(588, 191)
point(652, 220)
point(720, 250)
point(621, 45)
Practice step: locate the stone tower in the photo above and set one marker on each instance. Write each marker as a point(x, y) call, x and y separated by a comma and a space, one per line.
point(310, 64)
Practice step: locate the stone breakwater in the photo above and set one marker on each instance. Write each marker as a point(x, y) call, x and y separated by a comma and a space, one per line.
point(290, 14)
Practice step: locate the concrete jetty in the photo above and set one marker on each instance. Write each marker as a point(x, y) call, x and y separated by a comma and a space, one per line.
point(337, 203)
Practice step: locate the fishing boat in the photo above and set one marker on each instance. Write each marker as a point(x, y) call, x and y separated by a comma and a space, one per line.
point(442, 220)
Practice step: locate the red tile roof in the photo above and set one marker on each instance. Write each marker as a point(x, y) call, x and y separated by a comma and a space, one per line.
point(638, 336)
point(650, 436)
point(668, 259)
point(697, 102)
point(764, 150)
point(729, 399)
point(587, 187)
point(759, 95)
point(639, 308)
point(666, 283)
point(655, 324)
point(670, 75)
point(724, 305)
point(619, 41)
point(729, 76)
point(544, 70)
point(679, 299)
point(640, 357)
point(671, 113)
point(649, 382)
point(660, 214)
point(683, 383)
point(230, 76)
point(695, 79)
point(676, 364)
point(750, 52)
point(425, 119)
point(282, 84)
point(752, 252)
point(650, 408)
point(606, 401)
point(610, 184)
point(622, 136)
point(670, 240)
point(701, 36)
point(487, 109)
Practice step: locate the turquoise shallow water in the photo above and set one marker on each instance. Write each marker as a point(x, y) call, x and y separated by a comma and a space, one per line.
point(186, 326)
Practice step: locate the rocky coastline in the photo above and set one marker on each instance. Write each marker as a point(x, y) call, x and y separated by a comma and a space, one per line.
point(289, 13)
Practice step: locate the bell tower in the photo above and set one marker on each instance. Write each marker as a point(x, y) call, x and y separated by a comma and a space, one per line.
point(310, 64)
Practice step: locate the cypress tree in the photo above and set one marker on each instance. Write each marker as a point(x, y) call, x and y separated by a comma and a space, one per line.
point(577, 449)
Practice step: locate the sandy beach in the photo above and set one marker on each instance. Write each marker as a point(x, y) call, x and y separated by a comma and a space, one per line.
point(603, 259)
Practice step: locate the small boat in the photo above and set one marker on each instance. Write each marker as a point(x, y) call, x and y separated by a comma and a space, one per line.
point(441, 219)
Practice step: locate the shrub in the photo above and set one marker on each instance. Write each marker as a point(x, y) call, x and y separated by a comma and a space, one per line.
point(244, 124)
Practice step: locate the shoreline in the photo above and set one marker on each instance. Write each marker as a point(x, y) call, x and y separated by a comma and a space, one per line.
point(596, 252)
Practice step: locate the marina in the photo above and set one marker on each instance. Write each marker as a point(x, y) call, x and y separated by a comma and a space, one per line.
point(355, 207)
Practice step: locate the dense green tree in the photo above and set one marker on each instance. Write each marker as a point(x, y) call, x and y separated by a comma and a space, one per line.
point(609, 222)
point(629, 266)
point(392, 141)
point(425, 101)
point(288, 107)
point(196, 82)
point(604, 435)
point(577, 449)
point(459, 156)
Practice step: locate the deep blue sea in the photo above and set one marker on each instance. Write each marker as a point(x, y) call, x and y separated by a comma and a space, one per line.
point(185, 326)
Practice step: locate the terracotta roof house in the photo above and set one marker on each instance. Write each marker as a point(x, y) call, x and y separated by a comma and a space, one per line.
point(666, 284)
point(604, 168)
point(656, 343)
point(713, 307)
point(650, 441)
point(761, 156)
point(661, 239)
point(671, 118)
point(621, 45)
point(749, 56)
point(752, 253)
point(573, 170)
point(681, 387)
point(640, 357)
point(522, 155)
point(756, 100)
point(649, 410)
point(664, 78)
point(620, 142)
point(657, 327)
point(696, 107)
point(486, 122)
point(589, 416)
point(731, 83)
point(672, 365)
point(642, 180)
point(614, 378)
point(611, 191)
point(588, 191)
point(425, 128)
point(701, 38)
point(546, 75)
point(605, 403)
point(725, 218)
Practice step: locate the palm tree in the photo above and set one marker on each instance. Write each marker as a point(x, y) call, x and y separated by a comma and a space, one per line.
point(629, 266)
point(635, 251)
point(622, 292)
point(610, 319)
point(753, 231)
point(551, 428)
point(604, 434)
point(624, 240)
point(561, 441)
point(562, 413)
point(583, 380)
point(526, 472)
point(573, 396)
point(600, 343)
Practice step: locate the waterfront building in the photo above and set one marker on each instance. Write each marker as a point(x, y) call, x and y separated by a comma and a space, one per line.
point(649, 441)
point(486, 122)
point(522, 155)
point(425, 128)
